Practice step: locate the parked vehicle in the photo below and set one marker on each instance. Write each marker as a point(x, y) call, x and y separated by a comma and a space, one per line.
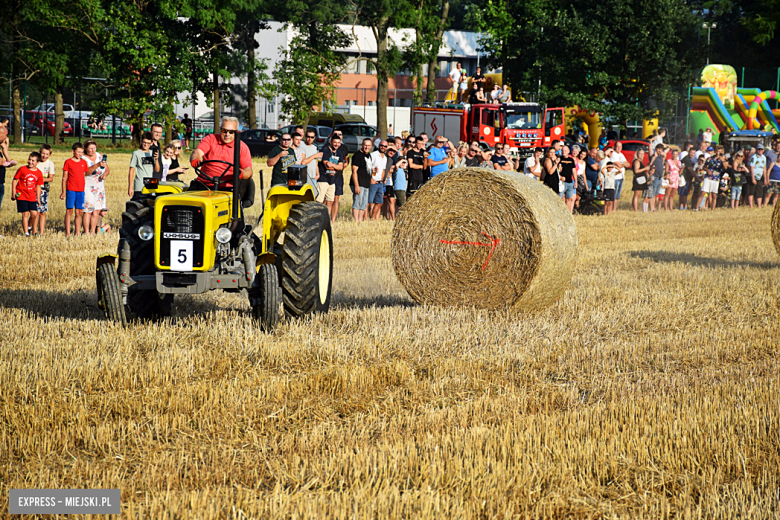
point(43, 123)
point(322, 133)
point(331, 120)
point(354, 133)
point(521, 126)
point(630, 147)
point(260, 142)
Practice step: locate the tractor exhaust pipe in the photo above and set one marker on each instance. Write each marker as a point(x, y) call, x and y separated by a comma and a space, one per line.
point(236, 175)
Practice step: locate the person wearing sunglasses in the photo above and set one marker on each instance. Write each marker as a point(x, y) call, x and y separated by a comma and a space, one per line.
point(175, 168)
point(220, 147)
point(438, 158)
point(280, 157)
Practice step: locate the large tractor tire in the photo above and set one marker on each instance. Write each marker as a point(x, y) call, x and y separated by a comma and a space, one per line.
point(266, 298)
point(110, 293)
point(142, 304)
point(307, 260)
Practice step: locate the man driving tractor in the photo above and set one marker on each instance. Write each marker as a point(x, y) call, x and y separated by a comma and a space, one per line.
point(219, 147)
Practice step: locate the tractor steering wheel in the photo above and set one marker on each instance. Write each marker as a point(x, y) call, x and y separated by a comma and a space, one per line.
point(216, 180)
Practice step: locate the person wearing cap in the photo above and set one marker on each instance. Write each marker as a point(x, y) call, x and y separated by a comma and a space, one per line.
point(713, 169)
point(607, 177)
point(754, 189)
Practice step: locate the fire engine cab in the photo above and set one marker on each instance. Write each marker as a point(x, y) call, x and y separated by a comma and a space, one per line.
point(522, 126)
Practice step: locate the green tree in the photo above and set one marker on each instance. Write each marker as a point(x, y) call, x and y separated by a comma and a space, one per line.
point(430, 21)
point(381, 16)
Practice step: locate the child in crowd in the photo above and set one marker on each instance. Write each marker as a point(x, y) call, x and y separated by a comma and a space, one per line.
point(698, 177)
point(607, 178)
point(662, 193)
point(724, 190)
point(26, 191)
point(74, 172)
point(46, 166)
point(167, 160)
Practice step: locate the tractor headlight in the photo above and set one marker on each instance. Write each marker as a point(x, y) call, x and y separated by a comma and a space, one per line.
point(146, 232)
point(223, 235)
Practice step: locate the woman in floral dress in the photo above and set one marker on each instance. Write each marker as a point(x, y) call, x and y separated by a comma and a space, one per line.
point(94, 185)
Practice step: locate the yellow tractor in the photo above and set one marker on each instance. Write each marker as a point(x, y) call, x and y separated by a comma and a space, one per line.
point(176, 240)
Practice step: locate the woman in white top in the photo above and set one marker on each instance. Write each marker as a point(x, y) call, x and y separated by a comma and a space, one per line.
point(94, 185)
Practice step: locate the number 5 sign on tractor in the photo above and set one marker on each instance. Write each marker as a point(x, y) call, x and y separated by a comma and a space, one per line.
point(181, 255)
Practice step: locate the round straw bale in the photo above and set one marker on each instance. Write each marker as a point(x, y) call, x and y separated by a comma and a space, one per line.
point(775, 227)
point(485, 238)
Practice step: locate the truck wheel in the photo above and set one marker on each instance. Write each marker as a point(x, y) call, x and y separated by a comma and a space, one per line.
point(142, 303)
point(307, 260)
point(266, 298)
point(110, 294)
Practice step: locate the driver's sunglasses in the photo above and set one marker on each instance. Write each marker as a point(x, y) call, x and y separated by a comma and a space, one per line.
point(226, 131)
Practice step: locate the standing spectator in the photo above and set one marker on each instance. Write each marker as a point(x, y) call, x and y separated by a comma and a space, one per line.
point(280, 158)
point(673, 169)
point(474, 92)
point(533, 167)
point(755, 180)
point(607, 179)
point(713, 170)
point(773, 186)
point(495, 94)
point(400, 182)
point(707, 136)
point(455, 75)
point(438, 160)
point(187, 122)
point(26, 191)
point(703, 150)
point(698, 178)
point(361, 180)
point(686, 178)
point(479, 78)
point(474, 158)
point(700, 137)
point(464, 86)
point(388, 204)
point(569, 179)
point(176, 168)
point(379, 172)
point(46, 167)
point(592, 169)
point(310, 155)
point(141, 167)
point(657, 165)
point(416, 159)
point(500, 160)
point(460, 159)
point(642, 186)
point(156, 149)
point(334, 161)
point(620, 161)
point(73, 174)
point(551, 171)
point(94, 185)
point(739, 176)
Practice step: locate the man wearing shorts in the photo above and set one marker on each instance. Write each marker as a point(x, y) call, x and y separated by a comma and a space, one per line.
point(619, 160)
point(73, 183)
point(334, 160)
point(379, 171)
point(754, 189)
point(657, 160)
point(713, 170)
point(361, 180)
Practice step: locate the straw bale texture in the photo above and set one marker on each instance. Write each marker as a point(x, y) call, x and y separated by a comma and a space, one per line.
point(444, 235)
point(776, 227)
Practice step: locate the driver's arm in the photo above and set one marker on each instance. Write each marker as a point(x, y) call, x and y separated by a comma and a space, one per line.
point(196, 156)
point(246, 173)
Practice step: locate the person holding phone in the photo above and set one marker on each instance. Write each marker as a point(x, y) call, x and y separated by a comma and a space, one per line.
point(176, 168)
point(94, 185)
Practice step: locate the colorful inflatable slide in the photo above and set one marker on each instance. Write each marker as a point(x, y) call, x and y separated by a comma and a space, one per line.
point(720, 105)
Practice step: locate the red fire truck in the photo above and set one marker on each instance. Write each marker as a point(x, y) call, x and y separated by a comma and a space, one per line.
point(522, 126)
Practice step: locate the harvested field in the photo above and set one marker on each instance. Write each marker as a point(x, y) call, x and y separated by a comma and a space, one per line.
point(650, 389)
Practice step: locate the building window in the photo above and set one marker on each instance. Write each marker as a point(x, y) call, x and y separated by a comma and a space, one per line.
point(371, 103)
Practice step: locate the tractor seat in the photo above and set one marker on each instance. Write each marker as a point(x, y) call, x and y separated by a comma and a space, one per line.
point(247, 193)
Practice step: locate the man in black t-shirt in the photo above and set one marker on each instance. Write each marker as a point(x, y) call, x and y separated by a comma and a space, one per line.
point(479, 79)
point(499, 160)
point(187, 122)
point(360, 180)
point(416, 159)
point(334, 160)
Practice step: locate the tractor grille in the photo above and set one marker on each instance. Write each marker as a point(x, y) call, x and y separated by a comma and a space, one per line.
point(182, 223)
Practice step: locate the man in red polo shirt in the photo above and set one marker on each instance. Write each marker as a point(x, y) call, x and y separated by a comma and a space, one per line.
point(220, 147)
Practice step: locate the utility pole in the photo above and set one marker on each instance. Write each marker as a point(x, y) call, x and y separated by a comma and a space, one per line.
point(709, 26)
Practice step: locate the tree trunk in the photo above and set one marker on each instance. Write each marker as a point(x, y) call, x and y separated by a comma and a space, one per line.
point(18, 120)
point(168, 126)
point(418, 92)
point(251, 80)
point(216, 103)
point(138, 127)
point(433, 57)
point(382, 75)
point(59, 117)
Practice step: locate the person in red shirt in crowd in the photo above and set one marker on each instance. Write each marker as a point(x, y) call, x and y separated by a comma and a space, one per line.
point(220, 147)
point(73, 174)
point(26, 191)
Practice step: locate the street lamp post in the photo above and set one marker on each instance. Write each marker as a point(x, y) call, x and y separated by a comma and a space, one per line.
point(709, 26)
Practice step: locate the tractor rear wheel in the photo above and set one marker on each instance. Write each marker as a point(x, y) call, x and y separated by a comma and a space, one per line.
point(142, 304)
point(110, 293)
point(266, 298)
point(307, 260)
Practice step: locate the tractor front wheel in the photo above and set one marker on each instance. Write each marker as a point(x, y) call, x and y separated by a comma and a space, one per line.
point(110, 294)
point(266, 298)
point(307, 260)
